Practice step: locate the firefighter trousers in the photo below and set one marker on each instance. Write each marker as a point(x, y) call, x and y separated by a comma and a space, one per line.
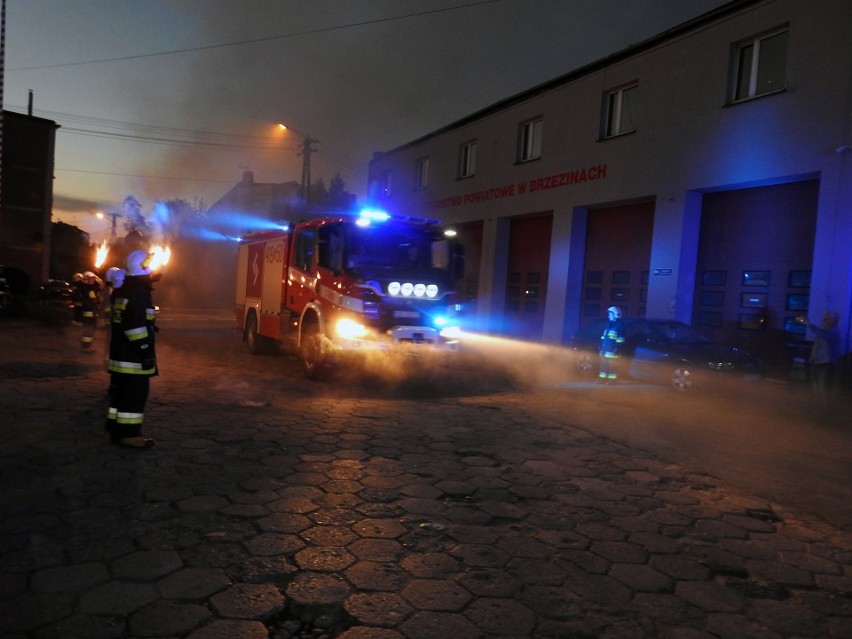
point(127, 405)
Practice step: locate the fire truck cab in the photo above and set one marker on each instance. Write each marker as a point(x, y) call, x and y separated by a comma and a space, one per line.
point(338, 285)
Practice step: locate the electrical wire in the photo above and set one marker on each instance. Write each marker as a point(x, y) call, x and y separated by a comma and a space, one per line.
point(254, 40)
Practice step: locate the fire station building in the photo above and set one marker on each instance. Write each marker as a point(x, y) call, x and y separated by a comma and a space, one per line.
point(704, 175)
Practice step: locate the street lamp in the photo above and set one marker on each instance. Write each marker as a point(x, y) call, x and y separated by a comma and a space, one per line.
point(305, 153)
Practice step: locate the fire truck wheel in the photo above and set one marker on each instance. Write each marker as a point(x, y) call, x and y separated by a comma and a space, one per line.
point(311, 352)
point(251, 336)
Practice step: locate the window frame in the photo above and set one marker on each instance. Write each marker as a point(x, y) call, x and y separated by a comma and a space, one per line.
point(612, 118)
point(421, 173)
point(530, 139)
point(467, 159)
point(737, 70)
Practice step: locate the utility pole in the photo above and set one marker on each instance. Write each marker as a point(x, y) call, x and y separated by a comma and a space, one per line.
point(113, 217)
point(306, 151)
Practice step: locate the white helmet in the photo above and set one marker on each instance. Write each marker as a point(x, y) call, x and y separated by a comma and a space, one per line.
point(115, 276)
point(138, 263)
point(615, 310)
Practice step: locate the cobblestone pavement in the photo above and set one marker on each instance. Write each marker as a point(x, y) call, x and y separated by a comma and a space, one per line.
point(273, 507)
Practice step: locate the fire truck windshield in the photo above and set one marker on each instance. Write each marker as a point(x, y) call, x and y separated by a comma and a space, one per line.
point(396, 251)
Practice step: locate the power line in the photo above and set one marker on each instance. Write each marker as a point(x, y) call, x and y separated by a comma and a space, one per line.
point(254, 40)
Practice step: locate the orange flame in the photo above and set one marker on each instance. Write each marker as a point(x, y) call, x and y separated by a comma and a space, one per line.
point(101, 254)
point(160, 256)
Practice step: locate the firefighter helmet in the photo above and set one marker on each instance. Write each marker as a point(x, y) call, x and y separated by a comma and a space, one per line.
point(88, 274)
point(138, 263)
point(115, 276)
point(616, 312)
point(78, 277)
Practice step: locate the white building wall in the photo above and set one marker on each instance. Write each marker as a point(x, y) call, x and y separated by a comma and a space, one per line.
point(687, 142)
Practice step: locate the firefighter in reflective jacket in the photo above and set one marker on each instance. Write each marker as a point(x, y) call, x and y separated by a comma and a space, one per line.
point(89, 289)
point(611, 340)
point(132, 358)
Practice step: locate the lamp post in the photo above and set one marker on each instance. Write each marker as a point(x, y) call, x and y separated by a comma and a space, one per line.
point(305, 153)
point(113, 217)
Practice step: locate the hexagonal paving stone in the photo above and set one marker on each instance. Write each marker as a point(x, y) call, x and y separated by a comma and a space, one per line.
point(381, 528)
point(377, 608)
point(193, 583)
point(371, 549)
point(369, 575)
point(324, 559)
point(284, 523)
point(70, 578)
point(436, 594)
point(167, 619)
point(249, 601)
point(480, 555)
point(328, 535)
point(501, 616)
point(117, 598)
point(317, 589)
point(431, 625)
point(230, 628)
point(146, 564)
point(273, 544)
point(334, 516)
point(433, 565)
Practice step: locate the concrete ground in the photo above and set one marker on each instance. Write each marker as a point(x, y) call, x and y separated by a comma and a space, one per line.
point(445, 508)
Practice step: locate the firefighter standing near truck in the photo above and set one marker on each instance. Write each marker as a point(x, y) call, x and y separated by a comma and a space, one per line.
point(132, 356)
point(89, 291)
point(612, 339)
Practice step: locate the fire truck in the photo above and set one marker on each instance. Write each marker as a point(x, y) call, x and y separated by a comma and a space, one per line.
point(341, 285)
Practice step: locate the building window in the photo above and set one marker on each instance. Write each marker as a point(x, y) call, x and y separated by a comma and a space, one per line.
point(620, 110)
point(529, 139)
point(759, 66)
point(467, 159)
point(421, 177)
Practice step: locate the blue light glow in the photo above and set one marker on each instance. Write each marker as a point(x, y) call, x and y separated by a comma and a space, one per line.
point(374, 214)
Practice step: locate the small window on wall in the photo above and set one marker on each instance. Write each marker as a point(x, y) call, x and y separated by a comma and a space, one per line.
point(421, 173)
point(759, 65)
point(467, 159)
point(620, 111)
point(529, 139)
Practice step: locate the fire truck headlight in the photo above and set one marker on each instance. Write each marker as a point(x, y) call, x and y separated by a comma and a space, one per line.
point(351, 329)
point(451, 332)
point(431, 290)
point(394, 288)
point(419, 290)
point(407, 288)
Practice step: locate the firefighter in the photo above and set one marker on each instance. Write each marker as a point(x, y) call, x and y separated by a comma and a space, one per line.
point(114, 279)
point(132, 356)
point(611, 340)
point(77, 298)
point(90, 304)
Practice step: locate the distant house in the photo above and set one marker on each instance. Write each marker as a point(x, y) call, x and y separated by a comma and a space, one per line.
point(251, 205)
point(28, 155)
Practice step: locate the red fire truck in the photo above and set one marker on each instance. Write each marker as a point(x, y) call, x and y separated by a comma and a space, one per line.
point(344, 284)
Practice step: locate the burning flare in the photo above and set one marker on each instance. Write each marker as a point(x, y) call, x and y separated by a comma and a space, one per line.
point(159, 257)
point(101, 254)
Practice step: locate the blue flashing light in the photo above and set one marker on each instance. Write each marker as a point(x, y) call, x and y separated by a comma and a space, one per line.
point(376, 215)
point(440, 321)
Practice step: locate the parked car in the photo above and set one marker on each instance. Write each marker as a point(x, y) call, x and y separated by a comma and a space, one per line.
point(56, 289)
point(665, 351)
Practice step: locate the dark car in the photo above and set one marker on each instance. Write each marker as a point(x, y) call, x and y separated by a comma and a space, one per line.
point(665, 351)
point(59, 292)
